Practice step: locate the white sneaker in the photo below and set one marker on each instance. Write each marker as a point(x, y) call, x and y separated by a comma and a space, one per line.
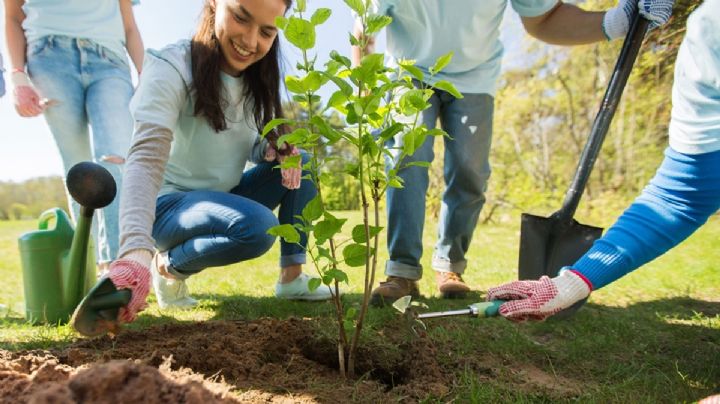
point(170, 293)
point(298, 289)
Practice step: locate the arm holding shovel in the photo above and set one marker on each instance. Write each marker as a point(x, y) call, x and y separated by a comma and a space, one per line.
point(681, 197)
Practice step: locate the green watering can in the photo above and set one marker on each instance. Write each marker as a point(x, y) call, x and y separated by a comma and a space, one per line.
point(59, 263)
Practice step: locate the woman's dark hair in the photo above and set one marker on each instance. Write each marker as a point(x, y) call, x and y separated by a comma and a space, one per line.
point(261, 79)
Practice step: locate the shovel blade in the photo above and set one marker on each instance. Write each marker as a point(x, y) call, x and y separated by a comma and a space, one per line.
point(546, 247)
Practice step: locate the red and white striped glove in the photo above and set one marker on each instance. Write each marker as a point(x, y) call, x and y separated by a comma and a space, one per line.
point(130, 274)
point(291, 177)
point(538, 300)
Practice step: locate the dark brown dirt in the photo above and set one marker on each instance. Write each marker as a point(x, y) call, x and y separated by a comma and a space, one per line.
point(266, 360)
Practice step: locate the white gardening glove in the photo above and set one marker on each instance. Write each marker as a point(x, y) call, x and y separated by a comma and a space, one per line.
point(616, 21)
point(538, 300)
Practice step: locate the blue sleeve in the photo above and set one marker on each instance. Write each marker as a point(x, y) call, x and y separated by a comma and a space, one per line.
point(681, 197)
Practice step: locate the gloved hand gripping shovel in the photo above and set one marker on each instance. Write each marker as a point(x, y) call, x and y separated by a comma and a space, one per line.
point(548, 244)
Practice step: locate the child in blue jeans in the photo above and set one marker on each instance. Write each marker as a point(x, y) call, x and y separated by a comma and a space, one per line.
point(68, 62)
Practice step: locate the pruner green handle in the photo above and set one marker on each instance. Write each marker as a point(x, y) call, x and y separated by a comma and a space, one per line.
point(486, 309)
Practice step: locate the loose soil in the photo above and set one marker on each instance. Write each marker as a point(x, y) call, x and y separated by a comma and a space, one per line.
point(266, 360)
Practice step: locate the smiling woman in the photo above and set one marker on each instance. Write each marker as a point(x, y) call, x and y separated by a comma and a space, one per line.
point(198, 108)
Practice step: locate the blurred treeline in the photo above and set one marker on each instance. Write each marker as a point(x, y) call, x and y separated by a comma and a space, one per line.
point(27, 199)
point(543, 115)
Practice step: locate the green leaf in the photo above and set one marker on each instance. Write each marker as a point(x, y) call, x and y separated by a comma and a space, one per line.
point(358, 233)
point(291, 162)
point(313, 210)
point(300, 33)
point(441, 63)
point(377, 22)
point(414, 139)
point(357, 6)
point(327, 228)
point(314, 283)
point(281, 22)
point(320, 16)
point(338, 100)
point(337, 275)
point(449, 87)
point(391, 131)
point(312, 81)
point(334, 55)
point(346, 88)
point(414, 71)
point(326, 130)
point(294, 84)
point(274, 124)
point(355, 255)
point(286, 231)
point(369, 67)
point(395, 182)
point(301, 5)
point(296, 137)
point(351, 313)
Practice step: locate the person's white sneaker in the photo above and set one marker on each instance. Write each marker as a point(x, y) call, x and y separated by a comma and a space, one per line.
point(298, 289)
point(170, 293)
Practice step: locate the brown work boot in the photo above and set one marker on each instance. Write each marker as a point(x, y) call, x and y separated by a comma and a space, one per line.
point(392, 289)
point(451, 285)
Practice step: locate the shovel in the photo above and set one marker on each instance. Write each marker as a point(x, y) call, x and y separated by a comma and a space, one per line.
point(548, 244)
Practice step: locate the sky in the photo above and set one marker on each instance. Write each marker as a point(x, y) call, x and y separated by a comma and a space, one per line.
point(27, 148)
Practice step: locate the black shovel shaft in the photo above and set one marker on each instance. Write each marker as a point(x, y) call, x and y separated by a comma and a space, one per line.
point(628, 54)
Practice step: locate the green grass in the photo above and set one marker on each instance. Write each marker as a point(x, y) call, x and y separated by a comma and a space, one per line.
point(653, 336)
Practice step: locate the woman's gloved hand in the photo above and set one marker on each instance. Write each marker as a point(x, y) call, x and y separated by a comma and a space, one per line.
point(291, 177)
point(130, 274)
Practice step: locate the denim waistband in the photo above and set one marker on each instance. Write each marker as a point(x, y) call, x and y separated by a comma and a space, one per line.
point(62, 41)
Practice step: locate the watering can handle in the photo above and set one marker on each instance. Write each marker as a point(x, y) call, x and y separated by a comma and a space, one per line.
point(50, 214)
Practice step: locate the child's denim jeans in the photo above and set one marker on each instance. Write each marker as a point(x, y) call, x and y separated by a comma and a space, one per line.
point(89, 89)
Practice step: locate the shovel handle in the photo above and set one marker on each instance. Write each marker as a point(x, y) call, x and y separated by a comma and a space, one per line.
point(621, 72)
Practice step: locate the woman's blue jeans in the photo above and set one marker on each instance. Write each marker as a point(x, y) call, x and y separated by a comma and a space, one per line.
point(201, 229)
point(90, 86)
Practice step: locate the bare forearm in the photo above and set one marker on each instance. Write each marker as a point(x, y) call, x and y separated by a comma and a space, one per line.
point(356, 52)
point(135, 49)
point(14, 34)
point(133, 40)
point(567, 24)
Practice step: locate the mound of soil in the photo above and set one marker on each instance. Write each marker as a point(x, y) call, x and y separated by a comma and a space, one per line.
point(266, 360)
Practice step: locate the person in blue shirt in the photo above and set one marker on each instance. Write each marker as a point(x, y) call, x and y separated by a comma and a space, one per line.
point(69, 62)
point(424, 30)
point(683, 194)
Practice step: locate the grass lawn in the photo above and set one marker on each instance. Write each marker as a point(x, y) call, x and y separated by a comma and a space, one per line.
point(653, 336)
